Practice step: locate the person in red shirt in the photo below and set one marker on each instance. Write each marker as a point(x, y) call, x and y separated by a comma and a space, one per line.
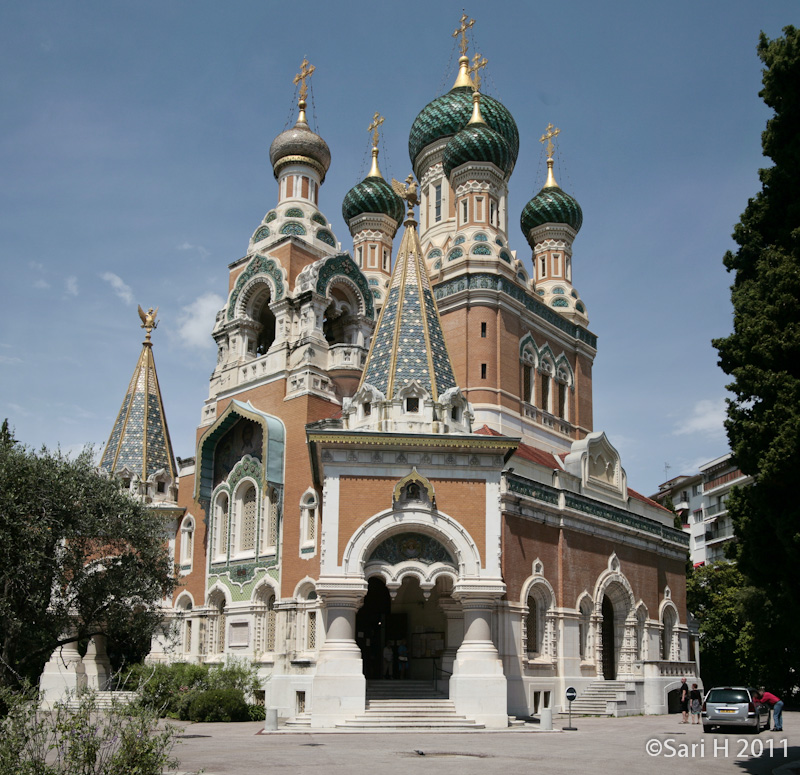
point(777, 708)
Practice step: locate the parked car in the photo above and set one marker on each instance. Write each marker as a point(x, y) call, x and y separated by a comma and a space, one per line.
point(733, 706)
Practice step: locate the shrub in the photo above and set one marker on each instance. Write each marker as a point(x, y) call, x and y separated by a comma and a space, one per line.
point(257, 712)
point(219, 705)
point(171, 689)
point(121, 740)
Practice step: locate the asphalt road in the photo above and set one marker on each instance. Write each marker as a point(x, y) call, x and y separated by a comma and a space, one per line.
point(641, 744)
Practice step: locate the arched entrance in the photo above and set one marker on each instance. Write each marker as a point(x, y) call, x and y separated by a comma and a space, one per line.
point(609, 644)
point(412, 616)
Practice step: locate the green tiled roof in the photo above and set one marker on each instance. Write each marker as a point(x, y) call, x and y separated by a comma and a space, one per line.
point(477, 142)
point(550, 205)
point(372, 195)
point(450, 113)
point(140, 439)
point(408, 343)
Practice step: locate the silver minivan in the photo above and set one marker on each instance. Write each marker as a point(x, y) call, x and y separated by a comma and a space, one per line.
point(733, 706)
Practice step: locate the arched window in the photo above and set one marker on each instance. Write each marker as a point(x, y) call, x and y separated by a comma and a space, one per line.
point(265, 620)
point(668, 634)
point(539, 630)
point(584, 628)
point(186, 544)
point(220, 551)
point(269, 522)
point(215, 628)
point(308, 523)
point(243, 536)
point(545, 378)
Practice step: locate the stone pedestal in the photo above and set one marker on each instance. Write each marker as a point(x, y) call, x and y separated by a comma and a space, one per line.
point(478, 686)
point(339, 687)
point(97, 664)
point(63, 676)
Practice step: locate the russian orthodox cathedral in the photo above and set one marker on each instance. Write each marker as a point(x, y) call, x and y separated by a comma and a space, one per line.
point(397, 482)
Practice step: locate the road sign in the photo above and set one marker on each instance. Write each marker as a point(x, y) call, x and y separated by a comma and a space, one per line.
point(571, 694)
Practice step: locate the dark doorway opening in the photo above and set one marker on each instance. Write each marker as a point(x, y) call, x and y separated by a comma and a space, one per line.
point(609, 647)
point(376, 626)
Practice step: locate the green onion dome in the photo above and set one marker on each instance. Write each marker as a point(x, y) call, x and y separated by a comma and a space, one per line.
point(447, 115)
point(300, 145)
point(373, 195)
point(550, 205)
point(477, 141)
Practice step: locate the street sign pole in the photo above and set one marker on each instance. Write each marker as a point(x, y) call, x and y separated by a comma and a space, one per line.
point(571, 695)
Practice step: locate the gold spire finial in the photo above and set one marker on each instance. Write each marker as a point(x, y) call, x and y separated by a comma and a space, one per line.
point(547, 137)
point(462, 31)
point(377, 120)
point(149, 322)
point(478, 63)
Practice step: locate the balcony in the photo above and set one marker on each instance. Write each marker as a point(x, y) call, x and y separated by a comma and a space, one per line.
point(716, 509)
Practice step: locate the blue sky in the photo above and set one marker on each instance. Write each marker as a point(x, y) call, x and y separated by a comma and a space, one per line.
point(134, 145)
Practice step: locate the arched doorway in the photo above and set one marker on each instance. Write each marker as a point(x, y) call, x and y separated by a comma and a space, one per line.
point(609, 645)
point(411, 617)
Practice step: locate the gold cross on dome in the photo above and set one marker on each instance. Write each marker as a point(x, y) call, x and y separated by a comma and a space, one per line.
point(377, 120)
point(548, 136)
point(305, 72)
point(478, 63)
point(462, 31)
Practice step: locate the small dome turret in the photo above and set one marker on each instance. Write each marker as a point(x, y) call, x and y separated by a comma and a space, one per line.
point(551, 204)
point(373, 195)
point(300, 144)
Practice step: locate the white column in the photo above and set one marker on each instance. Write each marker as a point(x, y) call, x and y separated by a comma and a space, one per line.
point(478, 686)
point(339, 687)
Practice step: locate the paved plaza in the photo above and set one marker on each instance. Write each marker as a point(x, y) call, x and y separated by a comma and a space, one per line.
point(640, 744)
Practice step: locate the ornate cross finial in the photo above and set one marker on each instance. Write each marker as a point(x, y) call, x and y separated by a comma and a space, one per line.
point(377, 120)
point(478, 63)
point(305, 72)
point(548, 136)
point(462, 31)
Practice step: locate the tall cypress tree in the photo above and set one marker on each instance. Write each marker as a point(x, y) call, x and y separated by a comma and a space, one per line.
point(763, 357)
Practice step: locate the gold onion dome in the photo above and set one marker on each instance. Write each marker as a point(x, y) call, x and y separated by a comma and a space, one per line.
point(477, 142)
point(373, 195)
point(301, 146)
point(449, 114)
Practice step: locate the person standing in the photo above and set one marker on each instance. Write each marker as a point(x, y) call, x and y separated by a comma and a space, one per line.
point(388, 661)
point(402, 659)
point(683, 696)
point(777, 708)
point(695, 703)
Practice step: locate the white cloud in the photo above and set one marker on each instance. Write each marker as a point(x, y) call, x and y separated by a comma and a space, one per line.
point(120, 288)
point(41, 284)
point(36, 265)
point(72, 285)
point(196, 321)
point(9, 359)
point(199, 248)
point(706, 418)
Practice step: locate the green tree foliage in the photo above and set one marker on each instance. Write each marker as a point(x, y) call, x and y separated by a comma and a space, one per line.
point(78, 557)
point(718, 598)
point(763, 357)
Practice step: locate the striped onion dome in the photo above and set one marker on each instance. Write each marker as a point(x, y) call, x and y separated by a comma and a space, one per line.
point(477, 141)
point(373, 195)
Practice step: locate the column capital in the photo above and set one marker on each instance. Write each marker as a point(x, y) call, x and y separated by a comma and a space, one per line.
point(479, 592)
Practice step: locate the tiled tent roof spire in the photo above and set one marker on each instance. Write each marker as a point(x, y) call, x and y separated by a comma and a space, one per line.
point(140, 439)
point(408, 343)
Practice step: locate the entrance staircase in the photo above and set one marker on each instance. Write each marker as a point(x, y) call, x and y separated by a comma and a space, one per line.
point(408, 705)
point(600, 698)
